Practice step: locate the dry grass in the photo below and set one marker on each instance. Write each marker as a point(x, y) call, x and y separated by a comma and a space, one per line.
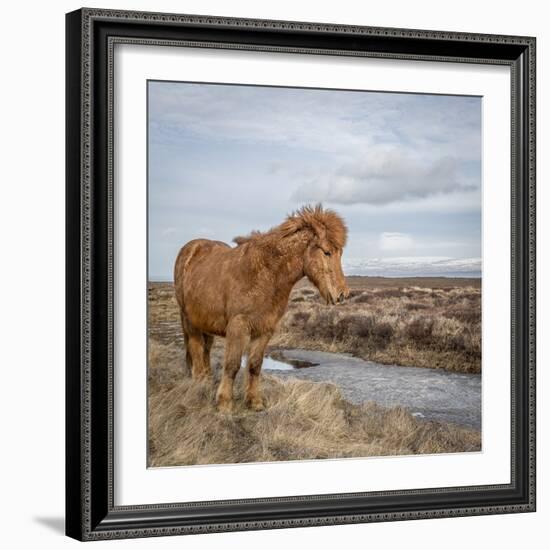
point(432, 326)
point(423, 322)
point(303, 420)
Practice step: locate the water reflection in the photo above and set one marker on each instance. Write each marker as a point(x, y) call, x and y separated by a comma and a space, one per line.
point(277, 361)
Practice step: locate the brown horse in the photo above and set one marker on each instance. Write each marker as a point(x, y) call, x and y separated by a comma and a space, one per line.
point(242, 292)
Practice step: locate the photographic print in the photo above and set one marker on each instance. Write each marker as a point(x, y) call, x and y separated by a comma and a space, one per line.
point(303, 251)
point(314, 273)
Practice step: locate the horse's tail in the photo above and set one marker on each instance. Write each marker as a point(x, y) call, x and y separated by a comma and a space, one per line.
point(181, 266)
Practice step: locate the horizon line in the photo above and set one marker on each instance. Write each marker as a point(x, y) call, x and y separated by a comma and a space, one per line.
point(157, 279)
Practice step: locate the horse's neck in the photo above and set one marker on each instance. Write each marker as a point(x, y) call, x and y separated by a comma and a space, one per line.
point(289, 265)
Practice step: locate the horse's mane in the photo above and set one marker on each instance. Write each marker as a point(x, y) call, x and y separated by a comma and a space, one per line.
point(324, 223)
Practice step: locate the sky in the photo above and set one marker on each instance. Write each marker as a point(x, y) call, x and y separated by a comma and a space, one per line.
point(404, 171)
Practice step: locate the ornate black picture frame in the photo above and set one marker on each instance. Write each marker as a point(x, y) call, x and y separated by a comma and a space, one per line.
point(90, 510)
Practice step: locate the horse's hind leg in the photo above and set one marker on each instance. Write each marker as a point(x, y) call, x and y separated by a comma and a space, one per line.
point(188, 360)
point(208, 340)
point(237, 337)
point(196, 346)
point(253, 395)
point(197, 349)
point(185, 329)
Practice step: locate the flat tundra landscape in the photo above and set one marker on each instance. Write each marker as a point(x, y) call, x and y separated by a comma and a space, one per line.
point(427, 323)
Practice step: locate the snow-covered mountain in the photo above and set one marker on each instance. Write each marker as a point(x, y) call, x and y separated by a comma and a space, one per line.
point(414, 266)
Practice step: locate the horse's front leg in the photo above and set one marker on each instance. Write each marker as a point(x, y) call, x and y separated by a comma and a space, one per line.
point(253, 396)
point(237, 337)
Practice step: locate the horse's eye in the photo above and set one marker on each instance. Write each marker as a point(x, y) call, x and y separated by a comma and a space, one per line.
point(327, 253)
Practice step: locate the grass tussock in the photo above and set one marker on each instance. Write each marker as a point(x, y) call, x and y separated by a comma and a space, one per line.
point(303, 420)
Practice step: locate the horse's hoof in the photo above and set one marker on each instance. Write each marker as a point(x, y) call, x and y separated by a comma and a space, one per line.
point(256, 405)
point(224, 407)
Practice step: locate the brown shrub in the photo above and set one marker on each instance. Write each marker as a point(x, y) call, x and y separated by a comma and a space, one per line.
point(301, 317)
point(383, 332)
point(414, 306)
point(362, 298)
point(469, 314)
point(322, 325)
point(457, 342)
point(420, 330)
point(389, 293)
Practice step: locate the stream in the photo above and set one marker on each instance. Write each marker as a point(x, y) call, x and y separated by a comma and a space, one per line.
point(432, 394)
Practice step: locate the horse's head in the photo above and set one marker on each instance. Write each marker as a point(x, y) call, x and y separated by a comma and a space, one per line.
point(323, 256)
point(323, 267)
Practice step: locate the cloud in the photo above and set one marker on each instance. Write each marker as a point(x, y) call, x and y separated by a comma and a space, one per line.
point(327, 121)
point(385, 177)
point(395, 241)
point(333, 146)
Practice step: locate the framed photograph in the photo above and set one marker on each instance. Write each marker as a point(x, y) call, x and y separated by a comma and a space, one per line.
point(300, 274)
